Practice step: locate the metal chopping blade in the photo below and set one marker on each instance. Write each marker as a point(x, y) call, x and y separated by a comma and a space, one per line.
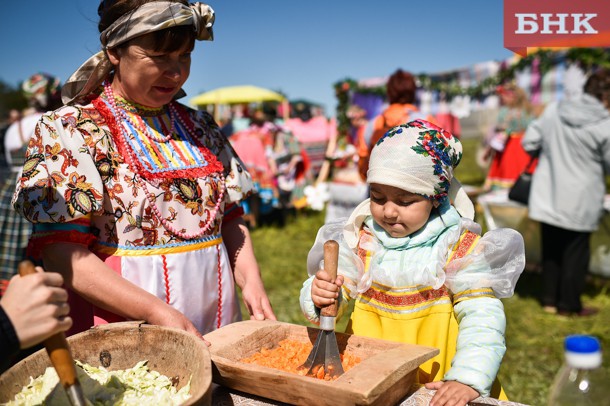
point(325, 352)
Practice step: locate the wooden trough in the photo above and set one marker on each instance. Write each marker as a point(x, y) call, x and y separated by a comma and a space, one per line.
point(174, 353)
point(384, 377)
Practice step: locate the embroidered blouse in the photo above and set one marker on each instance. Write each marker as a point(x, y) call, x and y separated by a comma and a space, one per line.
point(92, 179)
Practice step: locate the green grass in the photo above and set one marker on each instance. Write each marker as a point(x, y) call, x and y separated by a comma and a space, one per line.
point(534, 338)
point(468, 171)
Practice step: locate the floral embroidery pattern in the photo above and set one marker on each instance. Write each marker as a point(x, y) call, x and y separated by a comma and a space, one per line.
point(433, 142)
point(80, 196)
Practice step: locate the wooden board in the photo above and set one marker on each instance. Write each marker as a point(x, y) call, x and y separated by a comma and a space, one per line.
point(179, 355)
point(384, 376)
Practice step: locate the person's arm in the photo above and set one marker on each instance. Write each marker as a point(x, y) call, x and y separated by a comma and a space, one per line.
point(91, 278)
point(237, 239)
point(9, 343)
point(32, 309)
point(532, 140)
point(480, 343)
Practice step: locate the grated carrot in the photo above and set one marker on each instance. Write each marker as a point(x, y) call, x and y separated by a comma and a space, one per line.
point(290, 354)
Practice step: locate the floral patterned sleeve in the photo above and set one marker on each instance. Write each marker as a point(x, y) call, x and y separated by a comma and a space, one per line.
point(60, 186)
point(238, 180)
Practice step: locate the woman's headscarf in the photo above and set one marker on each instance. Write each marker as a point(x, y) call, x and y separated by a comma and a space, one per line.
point(150, 17)
point(420, 157)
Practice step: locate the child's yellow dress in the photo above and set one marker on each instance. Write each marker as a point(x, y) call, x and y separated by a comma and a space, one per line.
point(438, 287)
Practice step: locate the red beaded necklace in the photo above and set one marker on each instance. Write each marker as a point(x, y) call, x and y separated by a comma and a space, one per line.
point(116, 111)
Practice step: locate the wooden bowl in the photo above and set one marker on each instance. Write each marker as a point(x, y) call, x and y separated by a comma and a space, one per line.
point(174, 353)
point(383, 377)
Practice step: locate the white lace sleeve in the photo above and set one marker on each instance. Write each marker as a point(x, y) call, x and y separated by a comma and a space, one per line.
point(496, 262)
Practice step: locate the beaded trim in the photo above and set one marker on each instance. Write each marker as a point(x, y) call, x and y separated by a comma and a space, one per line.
point(125, 145)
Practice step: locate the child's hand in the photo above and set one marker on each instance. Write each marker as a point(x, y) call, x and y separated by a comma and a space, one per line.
point(325, 291)
point(451, 393)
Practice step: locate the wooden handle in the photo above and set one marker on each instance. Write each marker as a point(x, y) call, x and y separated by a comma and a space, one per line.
point(331, 260)
point(26, 268)
point(56, 345)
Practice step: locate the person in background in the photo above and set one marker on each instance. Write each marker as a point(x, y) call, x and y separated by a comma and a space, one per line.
point(133, 195)
point(503, 145)
point(32, 309)
point(346, 188)
point(417, 267)
point(358, 125)
point(572, 140)
point(289, 164)
point(43, 93)
point(13, 116)
point(400, 90)
point(254, 146)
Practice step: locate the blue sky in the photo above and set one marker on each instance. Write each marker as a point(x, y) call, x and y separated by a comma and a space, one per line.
point(299, 48)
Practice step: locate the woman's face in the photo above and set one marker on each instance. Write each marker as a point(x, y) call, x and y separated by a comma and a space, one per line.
point(398, 212)
point(148, 77)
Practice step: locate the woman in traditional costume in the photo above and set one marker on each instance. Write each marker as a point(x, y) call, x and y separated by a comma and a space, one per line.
point(508, 158)
point(134, 196)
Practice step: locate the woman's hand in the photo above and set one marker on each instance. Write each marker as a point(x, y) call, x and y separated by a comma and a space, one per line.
point(451, 393)
point(256, 301)
point(325, 291)
point(247, 274)
point(168, 316)
point(37, 306)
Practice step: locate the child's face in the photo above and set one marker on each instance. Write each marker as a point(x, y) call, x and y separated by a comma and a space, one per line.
point(398, 212)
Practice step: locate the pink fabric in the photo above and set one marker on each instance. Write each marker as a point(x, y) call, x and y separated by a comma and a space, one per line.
point(449, 122)
point(250, 148)
point(314, 130)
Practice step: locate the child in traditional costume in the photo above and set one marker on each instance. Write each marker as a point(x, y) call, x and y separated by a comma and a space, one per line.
point(416, 266)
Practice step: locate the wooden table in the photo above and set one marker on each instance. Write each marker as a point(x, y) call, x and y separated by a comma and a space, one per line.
point(222, 396)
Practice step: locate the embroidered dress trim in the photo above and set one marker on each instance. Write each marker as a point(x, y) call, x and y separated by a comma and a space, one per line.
point(406, 297)
point(182, 156)
point(166, 279)
point(129, 250)
point(76, 232)
point(441, 304)
point(473, 294)
point(464, 245)
point(219, 272)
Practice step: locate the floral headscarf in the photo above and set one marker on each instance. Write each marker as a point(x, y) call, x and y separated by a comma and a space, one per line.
point(420, 157)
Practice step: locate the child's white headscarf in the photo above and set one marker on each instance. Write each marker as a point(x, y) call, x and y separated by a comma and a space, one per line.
point(420, 157)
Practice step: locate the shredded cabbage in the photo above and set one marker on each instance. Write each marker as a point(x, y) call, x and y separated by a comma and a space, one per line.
point(134, 386)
